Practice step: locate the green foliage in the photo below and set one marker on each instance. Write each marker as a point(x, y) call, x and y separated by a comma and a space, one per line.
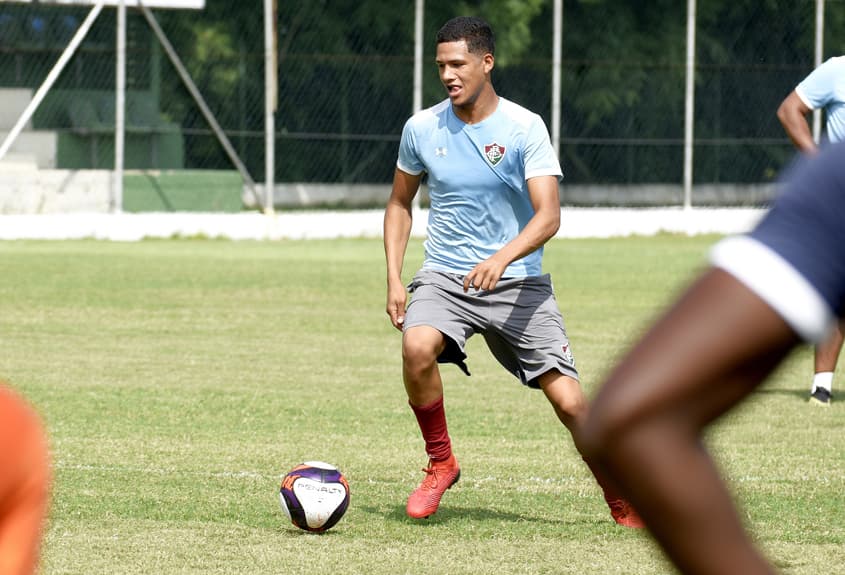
point(512, 23)
point(618, 66)
point(180, 379)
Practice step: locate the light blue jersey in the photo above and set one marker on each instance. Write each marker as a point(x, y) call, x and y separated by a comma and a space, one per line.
point(825, 88)
point(477, 181)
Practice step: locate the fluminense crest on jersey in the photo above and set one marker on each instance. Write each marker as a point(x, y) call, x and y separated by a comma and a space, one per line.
point(567, 354)
point(494, 153)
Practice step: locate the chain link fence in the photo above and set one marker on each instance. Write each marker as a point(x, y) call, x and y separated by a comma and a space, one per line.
point(345, 85)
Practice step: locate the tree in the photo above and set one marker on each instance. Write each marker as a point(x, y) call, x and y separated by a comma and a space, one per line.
point(345, 84)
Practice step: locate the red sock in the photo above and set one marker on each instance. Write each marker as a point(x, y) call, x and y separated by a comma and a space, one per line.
point(432, 421)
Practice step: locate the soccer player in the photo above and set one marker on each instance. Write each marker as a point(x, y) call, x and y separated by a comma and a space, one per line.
point(493, 184)
point(823, 89)
point(765, 292)
point(24, 484)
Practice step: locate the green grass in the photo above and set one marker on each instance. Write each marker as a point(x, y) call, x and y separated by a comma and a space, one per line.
point(180, 379)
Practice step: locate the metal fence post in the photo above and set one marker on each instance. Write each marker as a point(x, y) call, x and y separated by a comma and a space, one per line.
point(689, 118)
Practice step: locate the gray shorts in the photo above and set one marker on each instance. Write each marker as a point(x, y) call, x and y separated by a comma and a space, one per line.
point(519, 320)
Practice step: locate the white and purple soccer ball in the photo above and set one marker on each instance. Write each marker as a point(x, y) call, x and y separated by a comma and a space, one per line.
point(314, 495)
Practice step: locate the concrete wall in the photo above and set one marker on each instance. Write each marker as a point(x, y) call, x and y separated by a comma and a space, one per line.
point(667, 195)
point(321, 195)
point(13, 101)
point(648, 195)
point(325, 224)
point(24, 190)
point(39, 145)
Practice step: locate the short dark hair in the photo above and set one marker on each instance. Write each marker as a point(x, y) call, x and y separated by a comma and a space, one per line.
point(474, 30)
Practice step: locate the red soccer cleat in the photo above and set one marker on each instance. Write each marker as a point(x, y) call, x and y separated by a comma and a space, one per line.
point(624, 514)
point(440, 476)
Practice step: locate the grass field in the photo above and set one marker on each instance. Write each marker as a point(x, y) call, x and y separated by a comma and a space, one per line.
point(180, 379)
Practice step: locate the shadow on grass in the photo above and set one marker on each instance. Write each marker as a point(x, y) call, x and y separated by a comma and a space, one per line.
point(294, 532)
point(451, 513)
point(801, 394)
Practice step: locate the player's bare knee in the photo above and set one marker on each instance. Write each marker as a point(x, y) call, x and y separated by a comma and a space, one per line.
point(418, 354)
point(565, 394)
point(572, 407)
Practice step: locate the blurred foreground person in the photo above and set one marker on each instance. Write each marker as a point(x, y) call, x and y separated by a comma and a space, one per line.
point(766, 292)
point(823, 89)
point(24, 484)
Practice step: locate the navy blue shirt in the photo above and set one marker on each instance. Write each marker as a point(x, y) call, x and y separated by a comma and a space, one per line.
point(794, 259)
point(806, 225)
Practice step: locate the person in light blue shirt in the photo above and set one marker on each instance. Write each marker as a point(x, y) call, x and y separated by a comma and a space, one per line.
point(493, 184)
point(823, 89)
point(478, 178)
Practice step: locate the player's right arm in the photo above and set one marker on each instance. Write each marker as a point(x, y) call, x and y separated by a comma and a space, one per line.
point(792, 114)
point(398, 217)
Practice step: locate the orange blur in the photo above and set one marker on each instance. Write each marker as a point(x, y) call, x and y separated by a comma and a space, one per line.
point(24, 484)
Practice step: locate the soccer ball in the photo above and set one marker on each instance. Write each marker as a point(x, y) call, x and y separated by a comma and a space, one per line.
point(314, 495)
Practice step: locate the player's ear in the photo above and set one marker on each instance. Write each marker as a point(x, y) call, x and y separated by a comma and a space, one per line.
point(489, 62)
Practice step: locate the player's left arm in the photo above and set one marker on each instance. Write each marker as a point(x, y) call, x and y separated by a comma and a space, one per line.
point(543, 192)
point(792, 114)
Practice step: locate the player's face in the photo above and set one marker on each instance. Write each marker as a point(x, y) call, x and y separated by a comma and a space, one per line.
point(463, 74)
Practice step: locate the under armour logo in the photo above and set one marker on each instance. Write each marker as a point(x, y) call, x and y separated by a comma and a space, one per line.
point(438, 152)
